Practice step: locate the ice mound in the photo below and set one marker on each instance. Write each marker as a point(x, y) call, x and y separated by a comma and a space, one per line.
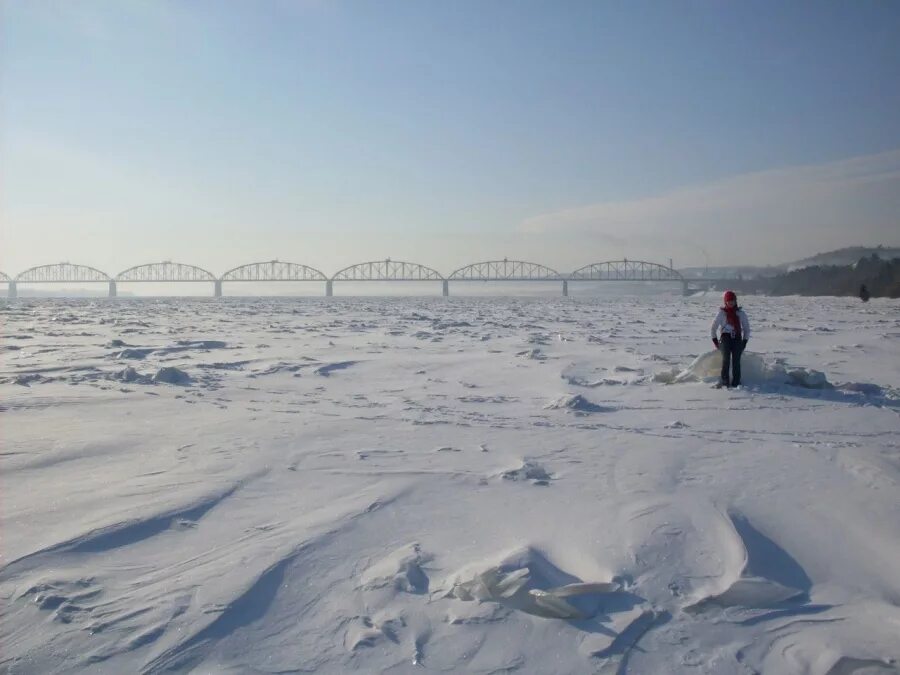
point(26, 379)
point(527, 581)
point(754, 370)
point(810, 379)
point(576, 403)
point(328, 368)
point(202, 344)
point(134, 353)
point(529, 470)
point(280, 367)
point(128, 374)
point(708, 367)
point(582, 374)
point(578, 381)
point(179, 346)
point(865, 388)
point(172, 375)
point(887, 395)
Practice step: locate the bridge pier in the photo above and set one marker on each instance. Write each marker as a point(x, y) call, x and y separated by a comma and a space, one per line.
point(329, 290)
point(217, 289)
point(565, 289)
point(12, 293)
point(112, 289)
point(445, 291)
point(685, 291)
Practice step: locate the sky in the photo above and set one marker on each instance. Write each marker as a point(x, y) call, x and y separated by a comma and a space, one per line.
point(224, 132)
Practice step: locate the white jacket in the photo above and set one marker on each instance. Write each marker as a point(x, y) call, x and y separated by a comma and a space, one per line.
point(720, 323)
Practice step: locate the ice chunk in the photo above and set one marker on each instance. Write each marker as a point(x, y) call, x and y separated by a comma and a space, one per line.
point(172, 375)
point(576, 403)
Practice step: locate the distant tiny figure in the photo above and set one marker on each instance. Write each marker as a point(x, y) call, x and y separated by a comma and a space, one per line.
point(864, 294)
point(730, 331)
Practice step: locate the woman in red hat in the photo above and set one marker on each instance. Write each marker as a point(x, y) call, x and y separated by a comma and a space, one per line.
point(730, 331)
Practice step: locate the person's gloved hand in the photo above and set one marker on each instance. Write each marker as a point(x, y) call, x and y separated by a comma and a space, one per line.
point(716, 342)
point(743, 345)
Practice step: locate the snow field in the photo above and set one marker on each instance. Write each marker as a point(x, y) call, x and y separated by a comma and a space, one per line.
point(460, 485)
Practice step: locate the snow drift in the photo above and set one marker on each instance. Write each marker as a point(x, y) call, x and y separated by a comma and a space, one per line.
point(754, 370)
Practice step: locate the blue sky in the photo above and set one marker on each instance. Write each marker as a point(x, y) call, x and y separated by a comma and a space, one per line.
point(327, 133)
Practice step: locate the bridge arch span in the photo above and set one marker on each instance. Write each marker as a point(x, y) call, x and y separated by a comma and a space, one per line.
point(387, 270)
point(62, 273)
point(505, 270)
point(165, 271)
point(4, 278)
point(273, 270)
point(626, 270)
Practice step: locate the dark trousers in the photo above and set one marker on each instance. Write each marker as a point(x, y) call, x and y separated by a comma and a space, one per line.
point(731, 358)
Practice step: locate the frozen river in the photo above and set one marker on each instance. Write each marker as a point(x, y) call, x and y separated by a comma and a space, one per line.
point(447, 485)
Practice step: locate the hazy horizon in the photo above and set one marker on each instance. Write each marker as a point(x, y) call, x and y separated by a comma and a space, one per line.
point(332, 133)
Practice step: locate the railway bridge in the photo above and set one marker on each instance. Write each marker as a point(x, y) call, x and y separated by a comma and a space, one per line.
point(379, 270)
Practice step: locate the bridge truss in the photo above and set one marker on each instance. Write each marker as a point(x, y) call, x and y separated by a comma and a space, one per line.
point(62, 273)
point(165, 271)
point(273, 270)
point(505, 270)
point(626, 270)
point(387, 270)
point(4, 278)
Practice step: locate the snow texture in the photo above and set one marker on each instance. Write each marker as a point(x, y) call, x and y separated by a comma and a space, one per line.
point(448, 485)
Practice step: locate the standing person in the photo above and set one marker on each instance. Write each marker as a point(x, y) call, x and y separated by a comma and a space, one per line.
point(730, 331)
point(864, 293)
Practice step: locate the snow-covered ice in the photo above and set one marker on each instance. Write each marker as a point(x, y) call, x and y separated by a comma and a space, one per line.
point(448, 485)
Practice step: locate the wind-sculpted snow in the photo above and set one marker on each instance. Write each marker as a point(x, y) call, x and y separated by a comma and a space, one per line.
point(126, 532)
point(448, 485)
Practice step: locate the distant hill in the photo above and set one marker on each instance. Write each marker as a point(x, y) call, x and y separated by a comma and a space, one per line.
point(845, 256)
point(881, 277)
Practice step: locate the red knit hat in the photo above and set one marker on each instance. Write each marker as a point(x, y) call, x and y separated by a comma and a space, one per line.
point(729, 295)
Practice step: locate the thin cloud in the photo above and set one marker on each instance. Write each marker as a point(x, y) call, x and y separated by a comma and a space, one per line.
point(856, 198)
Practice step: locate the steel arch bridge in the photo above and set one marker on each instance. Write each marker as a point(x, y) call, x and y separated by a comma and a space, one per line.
point(626, 270)
point(62, 273)
point(387, 270)
point(381, 270)
point(165, 271)
point(273, 270)
point(58, 273)
point(505, 270)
